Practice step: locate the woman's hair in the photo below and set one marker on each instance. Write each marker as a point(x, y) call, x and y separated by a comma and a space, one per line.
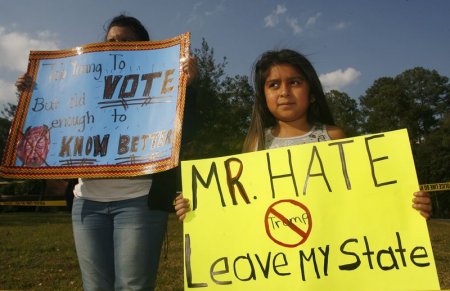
point(262, 118)
point(131, 22)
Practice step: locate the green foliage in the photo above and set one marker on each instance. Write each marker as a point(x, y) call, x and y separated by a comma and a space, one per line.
point(345, 112)
point(5, 124)
point(432, 162)
point(431, 95)
point(386, 107)
point(223, 108)
point(419, 100)
point(9, 110)
point(415, 99)
point(434, 154)
point(25, 187)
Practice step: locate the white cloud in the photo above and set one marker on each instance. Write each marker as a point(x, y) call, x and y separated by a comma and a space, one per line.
point(14, 50)
point(15, 47)
point(280, 9)
point(217, 9)
point(194, 14)
point(7, 93)
point(313, 19)
point(338, 79)
point(293, 23)
point(273, 18)
point(340, 26)
point(201, 11)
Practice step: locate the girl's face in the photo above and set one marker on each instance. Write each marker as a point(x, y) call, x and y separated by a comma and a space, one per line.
point(121, 33)
point(287, 94)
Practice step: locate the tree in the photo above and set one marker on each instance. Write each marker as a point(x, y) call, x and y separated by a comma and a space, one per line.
point(433, 154)
point(432, 162)
point(386, 107)
point(9, 110)
point(223, 108)
point(415, 99)
point(5, 124)
point(345, 112)
point(6, 115)
point(419, 100)
point(430, 93)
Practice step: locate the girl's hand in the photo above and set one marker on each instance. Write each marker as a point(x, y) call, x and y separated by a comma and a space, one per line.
point(181, 206)
point(422, 202)
point(189, 66)
point(24, 82)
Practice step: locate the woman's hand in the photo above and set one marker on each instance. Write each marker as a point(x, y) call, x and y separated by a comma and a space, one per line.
point(24, 82)
point(189, 66)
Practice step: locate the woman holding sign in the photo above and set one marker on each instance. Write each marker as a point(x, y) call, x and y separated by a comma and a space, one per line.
point(119, 224)
point(290, 108)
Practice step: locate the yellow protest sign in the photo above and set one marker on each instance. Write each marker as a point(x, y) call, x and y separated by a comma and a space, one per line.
point(334, 215)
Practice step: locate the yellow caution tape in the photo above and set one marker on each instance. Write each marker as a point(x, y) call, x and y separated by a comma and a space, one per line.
point(435, 187)
point(425, 187)
point(35, 203)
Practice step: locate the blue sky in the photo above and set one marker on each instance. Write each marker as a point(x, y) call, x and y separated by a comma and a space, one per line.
point(351, 43)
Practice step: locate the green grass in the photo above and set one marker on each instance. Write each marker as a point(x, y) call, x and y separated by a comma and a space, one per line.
point(37, 253)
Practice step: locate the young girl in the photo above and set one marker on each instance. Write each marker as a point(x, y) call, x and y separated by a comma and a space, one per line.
point(290, 108)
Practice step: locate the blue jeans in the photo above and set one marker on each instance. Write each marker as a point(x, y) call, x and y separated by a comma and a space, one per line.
point(118, 243)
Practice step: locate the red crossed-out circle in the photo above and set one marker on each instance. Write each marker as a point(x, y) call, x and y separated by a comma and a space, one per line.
point(302, 235)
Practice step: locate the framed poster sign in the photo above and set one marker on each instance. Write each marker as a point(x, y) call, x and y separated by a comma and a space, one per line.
point(110, 109)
